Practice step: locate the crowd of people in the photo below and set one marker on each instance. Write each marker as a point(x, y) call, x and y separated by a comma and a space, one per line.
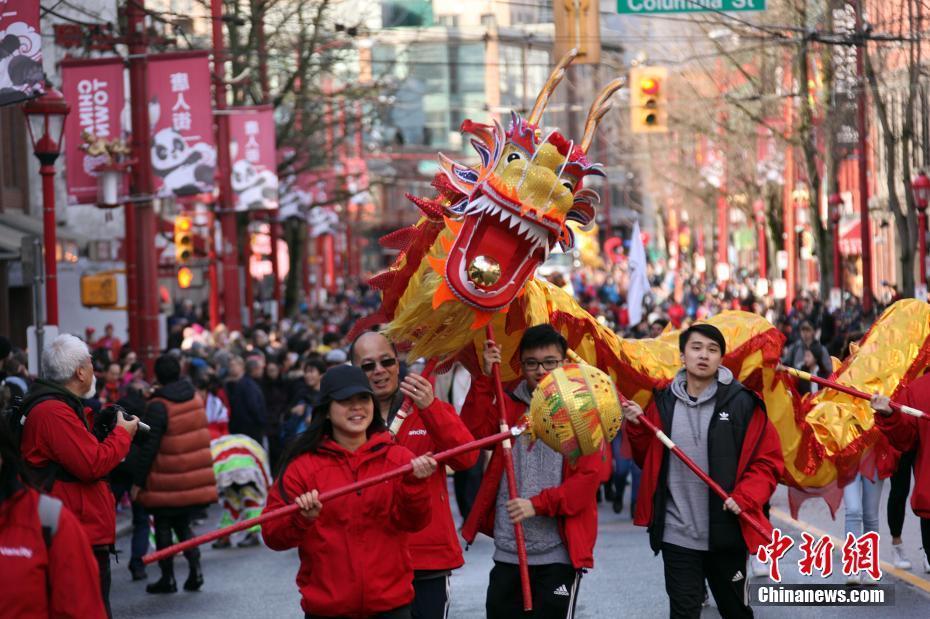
point(278, 413)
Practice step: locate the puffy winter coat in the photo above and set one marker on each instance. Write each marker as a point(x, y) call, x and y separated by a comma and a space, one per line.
point(45, 580)
point(905, 433)
point(54, 433)
point(433, 429)
point(573, 503)
point(354, 557)
point(176, 467)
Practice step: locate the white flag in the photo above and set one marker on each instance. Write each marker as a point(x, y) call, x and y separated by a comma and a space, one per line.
point(639, 282)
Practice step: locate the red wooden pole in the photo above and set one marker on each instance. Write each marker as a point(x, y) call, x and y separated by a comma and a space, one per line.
point(507, 453)
point(170, 551)
point(856, 393)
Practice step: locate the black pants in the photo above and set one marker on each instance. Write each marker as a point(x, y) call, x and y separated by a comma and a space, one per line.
point(180, 524)
point(398, 613)
point(925, 535)
point(102, 554)
point(554, 587)
point(685, 571)
point(430, 597)
point(897, 496)
point(466, 484)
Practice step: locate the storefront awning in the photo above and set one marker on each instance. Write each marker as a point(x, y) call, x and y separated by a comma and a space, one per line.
point(15, 226)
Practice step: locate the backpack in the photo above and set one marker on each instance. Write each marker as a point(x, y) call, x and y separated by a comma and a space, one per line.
point(15, 415)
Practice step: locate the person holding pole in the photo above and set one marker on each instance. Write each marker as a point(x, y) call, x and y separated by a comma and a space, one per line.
point(722, 426)
point(431, 426)
point(354, 555)
point(907, 432)
point(557, 498)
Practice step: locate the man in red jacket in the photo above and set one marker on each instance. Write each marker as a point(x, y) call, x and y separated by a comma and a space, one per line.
point(723, 427)
point(432, 426)
point(62, 454)
point(557, 501)
point(905, 433)
point(46, 564)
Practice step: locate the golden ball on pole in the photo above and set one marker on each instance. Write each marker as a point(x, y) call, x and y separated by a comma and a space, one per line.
point(575, 410)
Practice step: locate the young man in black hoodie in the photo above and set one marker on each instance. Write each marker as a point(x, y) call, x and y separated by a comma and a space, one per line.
point(722, 426)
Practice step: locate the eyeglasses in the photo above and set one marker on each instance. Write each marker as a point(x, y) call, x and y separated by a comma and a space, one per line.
point(548, 364)
point(369, 366)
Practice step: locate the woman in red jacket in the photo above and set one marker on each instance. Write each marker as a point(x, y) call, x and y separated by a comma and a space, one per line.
point(47, 567)
point(354, 560)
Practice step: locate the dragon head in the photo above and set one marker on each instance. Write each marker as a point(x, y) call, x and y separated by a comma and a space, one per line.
point(517, 202)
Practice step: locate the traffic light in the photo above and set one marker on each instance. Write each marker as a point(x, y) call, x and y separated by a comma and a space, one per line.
point(648, 100)
point(185, 277)
point(183, 239)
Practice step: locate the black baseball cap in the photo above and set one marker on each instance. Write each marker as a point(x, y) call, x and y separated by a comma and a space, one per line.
point(707, 330)
point(342, 382)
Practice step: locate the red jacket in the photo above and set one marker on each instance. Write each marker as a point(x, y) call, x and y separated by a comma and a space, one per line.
point(39, 581)
point(759, 467)
point(573, 503)
point(434, 429)
point(53, 433)
point(905, 433)
point(354, 558)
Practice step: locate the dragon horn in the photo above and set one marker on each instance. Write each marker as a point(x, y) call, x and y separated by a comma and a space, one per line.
point(598, 109)
point(554, 78)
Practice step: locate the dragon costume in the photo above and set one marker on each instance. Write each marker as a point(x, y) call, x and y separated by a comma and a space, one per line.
point(471, 259)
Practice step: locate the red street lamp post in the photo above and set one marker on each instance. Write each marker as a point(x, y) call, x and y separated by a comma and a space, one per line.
point(921, 188)
point(835, 202)
point(46, 116)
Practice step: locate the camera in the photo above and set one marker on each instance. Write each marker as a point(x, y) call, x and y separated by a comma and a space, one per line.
point(105, 421)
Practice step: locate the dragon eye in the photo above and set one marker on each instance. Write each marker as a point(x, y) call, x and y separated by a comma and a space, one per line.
point(568, 186)
point(513, 157)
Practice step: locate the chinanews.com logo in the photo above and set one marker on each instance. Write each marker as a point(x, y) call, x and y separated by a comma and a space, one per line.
point(859, 559)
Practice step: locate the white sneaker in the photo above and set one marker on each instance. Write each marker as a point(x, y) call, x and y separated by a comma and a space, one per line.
point(898, 559)
point(758, 568)
point(854, 580)
point(926, 564)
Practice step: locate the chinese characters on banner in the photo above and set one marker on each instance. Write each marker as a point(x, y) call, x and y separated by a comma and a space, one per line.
point(94, 90)
point(21, 75)
point(859, 555)
point(252, 152)
point(181, 119)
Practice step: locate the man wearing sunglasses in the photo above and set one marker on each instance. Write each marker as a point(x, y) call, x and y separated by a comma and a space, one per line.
point(432, 426)
point(557, 499)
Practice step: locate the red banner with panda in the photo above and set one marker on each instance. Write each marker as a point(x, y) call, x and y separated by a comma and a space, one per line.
point(21, 75)
point(254, 158)
point(183, 152)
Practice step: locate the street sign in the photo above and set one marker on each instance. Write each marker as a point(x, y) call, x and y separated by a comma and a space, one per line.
point(637, 7)
point(99, 290)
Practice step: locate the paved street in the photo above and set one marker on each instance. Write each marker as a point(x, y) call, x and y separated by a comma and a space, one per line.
point(627, 581)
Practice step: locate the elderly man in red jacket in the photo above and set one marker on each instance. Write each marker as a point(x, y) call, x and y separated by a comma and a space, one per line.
point(722, 426)
point(62, 454)
point(432, 426)
point(906, 433)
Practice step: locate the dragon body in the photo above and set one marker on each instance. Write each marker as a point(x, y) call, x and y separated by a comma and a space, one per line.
point(471, 259)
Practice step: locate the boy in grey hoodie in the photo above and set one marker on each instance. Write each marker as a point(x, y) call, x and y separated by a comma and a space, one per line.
point(723, 427)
